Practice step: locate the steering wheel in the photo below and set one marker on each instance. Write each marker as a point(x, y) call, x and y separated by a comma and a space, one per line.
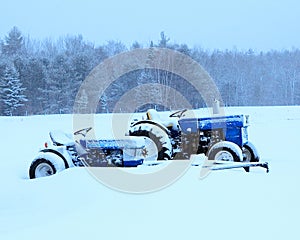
point(178, 113)
point(83, 131)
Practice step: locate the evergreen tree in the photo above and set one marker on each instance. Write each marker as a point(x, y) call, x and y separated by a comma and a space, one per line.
point(103, 103)
point(163, 42)
point(59, 86)
point(11, 90)
point(82, 102)
point(114, 47)
point(136, 45)
point(13, 43)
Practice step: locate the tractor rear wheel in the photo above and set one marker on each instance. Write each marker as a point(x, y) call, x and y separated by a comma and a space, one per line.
point(162, 147)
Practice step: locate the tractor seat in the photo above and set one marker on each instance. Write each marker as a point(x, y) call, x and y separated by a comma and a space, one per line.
point(60, 138)
point(153, 115)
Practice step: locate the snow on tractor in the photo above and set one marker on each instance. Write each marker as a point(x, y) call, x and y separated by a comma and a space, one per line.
point(222, 138)
point(63, 152)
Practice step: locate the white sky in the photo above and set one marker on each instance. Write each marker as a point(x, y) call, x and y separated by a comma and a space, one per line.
point(211, 24)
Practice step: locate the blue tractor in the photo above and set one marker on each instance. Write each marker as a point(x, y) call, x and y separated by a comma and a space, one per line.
point(222, 138)
point(64, 152)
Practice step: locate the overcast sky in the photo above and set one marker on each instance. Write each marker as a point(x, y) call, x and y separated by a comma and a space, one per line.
point(211, 24)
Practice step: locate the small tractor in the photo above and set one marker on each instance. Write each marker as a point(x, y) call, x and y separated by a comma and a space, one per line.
point(222, 138)
point(63, 152)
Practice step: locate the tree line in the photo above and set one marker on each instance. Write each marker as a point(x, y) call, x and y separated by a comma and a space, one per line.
point(44, 76)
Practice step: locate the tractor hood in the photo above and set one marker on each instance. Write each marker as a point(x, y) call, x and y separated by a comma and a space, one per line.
point(126, 143)
point(195, 124)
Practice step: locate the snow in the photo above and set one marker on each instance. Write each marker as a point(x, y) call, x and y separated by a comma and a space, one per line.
point(61, 137)
point(229, 204)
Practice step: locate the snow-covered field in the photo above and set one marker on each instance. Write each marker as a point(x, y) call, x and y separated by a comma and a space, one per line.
point(229, 204)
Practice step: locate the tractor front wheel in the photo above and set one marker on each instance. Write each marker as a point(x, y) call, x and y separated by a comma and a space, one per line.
point(46, 164)
point(225, 151)
point(250, 153)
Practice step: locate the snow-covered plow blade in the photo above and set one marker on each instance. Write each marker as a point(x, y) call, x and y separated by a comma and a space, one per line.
point(223, 165)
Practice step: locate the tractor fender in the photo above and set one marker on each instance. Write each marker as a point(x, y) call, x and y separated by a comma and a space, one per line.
point(158, 124)
point(159, 134)
point(60, 151)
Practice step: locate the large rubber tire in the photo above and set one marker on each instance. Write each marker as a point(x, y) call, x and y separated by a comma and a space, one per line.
point(225, 151)
point(250, 153)
point(158, 136)
point(46, 164)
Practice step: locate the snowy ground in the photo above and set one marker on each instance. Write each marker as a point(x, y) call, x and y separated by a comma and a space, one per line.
point(228, 204)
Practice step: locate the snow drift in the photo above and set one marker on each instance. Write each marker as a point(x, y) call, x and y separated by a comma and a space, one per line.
point(229, 204)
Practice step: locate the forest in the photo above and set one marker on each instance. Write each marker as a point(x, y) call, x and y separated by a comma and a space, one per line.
point(43, 76)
